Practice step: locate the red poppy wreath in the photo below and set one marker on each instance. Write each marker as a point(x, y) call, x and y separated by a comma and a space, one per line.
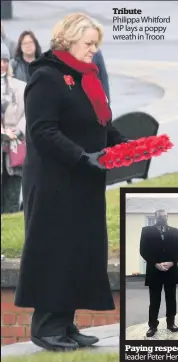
point(142, 149)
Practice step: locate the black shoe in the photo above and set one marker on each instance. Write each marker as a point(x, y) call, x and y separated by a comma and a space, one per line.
point(55, 343)
point(151, 332)
point(81, 339)
point(172, 328)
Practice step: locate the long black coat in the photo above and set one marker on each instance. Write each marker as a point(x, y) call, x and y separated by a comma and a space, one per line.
point(64, 261)
point(155, 250)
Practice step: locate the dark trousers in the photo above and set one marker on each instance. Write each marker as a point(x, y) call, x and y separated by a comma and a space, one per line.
point(48, 324)
point(155, 301)
point(10, 193)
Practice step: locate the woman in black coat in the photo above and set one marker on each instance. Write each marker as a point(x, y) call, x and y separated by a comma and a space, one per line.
point(64, 261)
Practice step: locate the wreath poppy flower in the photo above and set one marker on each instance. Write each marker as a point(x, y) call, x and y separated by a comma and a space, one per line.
point(142, 149)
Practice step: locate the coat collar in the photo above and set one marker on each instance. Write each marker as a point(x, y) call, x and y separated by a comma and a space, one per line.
point(155, 228)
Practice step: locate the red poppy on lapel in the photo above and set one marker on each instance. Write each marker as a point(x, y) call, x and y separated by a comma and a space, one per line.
point(69, 80)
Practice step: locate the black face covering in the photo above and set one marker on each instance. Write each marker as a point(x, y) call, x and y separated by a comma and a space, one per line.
point(161, 220)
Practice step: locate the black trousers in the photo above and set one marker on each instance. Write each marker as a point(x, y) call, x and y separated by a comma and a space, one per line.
point(10, 193)
point(48, 324)
point(155, 301)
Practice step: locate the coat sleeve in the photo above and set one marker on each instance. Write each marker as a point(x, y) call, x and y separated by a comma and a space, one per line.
point(145, 251)
point(99, 61)
point(114, 137)
point(21, 125)
point(15, 113)
point(175, 248)
point(42, 109)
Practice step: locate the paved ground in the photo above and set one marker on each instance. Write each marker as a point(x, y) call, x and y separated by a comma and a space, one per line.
point(137, 303)
point(138, 332)
point(108, 335)
point(127, 93)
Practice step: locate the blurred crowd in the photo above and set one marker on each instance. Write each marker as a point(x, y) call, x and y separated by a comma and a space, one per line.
point(15, 58)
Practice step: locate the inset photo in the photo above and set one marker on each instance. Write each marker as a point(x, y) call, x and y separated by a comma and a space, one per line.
point(151, 253)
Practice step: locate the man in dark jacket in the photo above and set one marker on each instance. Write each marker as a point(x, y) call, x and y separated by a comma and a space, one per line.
point(99, 61)
point(159, 248)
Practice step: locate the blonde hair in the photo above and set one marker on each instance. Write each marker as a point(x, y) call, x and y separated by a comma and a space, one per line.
point(71, 29)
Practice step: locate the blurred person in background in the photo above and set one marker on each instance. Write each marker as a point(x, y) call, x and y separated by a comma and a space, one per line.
point(65, 255)
point(27, 50)
point(8, 42)
point(99, 61)
point(12, 129)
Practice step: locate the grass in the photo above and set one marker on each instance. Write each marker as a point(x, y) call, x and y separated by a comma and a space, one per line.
point(12, 225)
point(113, 207)
point(65, 357)
point(12, 234)
point(169, 180)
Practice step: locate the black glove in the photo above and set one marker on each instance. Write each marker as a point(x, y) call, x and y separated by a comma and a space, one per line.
point(5, 137)
point(19, 134)
point(91, 159)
